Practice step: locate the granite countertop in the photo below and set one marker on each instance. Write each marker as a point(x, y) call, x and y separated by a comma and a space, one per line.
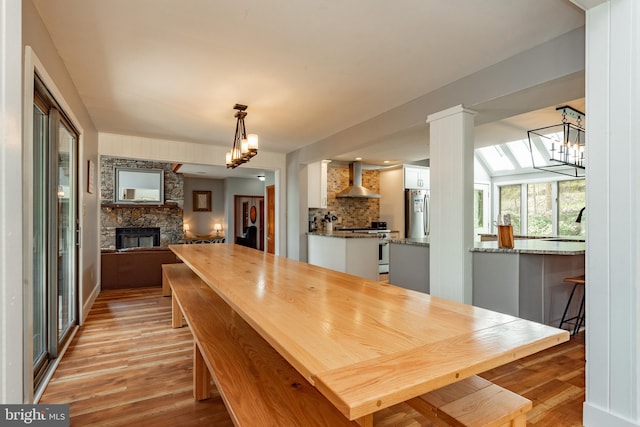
point(420, 241)
point(344, 234)
point(534, 246)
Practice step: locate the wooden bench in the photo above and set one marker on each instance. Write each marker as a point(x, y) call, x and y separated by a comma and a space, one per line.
point(257, 385)
point(473, 402)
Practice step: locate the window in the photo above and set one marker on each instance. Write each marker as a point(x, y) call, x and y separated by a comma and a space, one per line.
point(478, 211)
point(539, 209)
point(510, 198)
point(548, 208)
point(571, 199)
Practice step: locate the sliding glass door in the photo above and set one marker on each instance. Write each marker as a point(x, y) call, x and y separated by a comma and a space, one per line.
point(55, 230)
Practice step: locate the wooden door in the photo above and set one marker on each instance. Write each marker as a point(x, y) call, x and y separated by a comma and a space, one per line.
point(271, 219)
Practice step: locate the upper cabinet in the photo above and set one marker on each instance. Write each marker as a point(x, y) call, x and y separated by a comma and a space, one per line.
point(317, 184)
point(416, 177)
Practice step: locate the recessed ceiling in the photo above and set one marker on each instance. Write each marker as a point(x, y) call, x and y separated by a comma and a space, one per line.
point(307, 70)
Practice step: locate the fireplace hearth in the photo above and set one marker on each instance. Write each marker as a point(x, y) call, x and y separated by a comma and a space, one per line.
point(137, 237)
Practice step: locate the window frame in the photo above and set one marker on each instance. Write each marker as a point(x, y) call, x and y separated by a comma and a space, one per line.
point(523, 202)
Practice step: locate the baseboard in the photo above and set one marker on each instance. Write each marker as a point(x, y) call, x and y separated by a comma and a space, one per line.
point(592, 416)
point(86, 307)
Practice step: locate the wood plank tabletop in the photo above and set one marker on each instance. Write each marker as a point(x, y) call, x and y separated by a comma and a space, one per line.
point(364, 344)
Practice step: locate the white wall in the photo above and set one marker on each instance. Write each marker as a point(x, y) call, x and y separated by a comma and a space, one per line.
point(202, 222)
point(11, 300)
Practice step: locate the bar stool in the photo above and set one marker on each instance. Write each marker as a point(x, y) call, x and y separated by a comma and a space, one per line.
point(578, 320)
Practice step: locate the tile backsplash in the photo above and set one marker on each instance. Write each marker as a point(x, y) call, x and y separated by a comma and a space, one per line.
point(351, 212)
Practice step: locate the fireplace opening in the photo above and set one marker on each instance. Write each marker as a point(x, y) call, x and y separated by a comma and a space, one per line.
point(137, 237)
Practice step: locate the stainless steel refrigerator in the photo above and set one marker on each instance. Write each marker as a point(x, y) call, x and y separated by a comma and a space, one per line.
point(416, 213)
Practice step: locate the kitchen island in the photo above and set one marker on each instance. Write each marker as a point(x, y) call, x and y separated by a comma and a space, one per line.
point(346, 252)
point(409, 263)
point(527, 281)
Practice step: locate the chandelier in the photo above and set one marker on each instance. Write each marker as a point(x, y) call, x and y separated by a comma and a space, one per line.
point(564, 142)
point(244, 146)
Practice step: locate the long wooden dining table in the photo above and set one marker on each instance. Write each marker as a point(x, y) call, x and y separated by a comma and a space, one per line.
point(365, 345)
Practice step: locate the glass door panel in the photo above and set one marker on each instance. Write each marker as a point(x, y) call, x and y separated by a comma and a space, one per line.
point(40, 311)
point(66, 226)
point(55, 225)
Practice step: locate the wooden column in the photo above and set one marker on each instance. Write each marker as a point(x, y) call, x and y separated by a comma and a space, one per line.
point(451, 233)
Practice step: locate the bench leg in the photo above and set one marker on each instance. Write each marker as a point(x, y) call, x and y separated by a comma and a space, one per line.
point(176, 313)
point(366, 421)
point(201, 376)
point(166, 287)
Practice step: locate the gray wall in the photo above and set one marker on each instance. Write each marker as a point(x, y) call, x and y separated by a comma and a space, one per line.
point(202, 222)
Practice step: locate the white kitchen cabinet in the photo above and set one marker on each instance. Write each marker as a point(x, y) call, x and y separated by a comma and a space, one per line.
point(416, 177)
point(317, 184)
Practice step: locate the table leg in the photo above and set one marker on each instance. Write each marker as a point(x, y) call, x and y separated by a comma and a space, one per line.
point(366, 421)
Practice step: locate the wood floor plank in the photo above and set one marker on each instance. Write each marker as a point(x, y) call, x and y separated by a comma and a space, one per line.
point(127, 367)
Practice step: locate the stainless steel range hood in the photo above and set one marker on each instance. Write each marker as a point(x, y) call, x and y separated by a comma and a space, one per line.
point(355, 188)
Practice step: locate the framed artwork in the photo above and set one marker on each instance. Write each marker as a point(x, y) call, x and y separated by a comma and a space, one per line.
point(253, 214)
point(91, 181)
point(202, 201)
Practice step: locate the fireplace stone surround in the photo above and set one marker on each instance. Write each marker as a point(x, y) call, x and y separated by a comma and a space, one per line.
point(167, 217)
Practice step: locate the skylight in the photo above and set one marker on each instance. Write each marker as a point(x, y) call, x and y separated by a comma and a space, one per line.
point(514, 157)
point(495, 157)
point(520, 150)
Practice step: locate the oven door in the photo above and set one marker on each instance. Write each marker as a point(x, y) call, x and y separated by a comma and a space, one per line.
point(383, 256)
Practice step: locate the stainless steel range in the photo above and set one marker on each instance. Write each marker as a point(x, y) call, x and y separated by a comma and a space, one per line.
point(379, 228)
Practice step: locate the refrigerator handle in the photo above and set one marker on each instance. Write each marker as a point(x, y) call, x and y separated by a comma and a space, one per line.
point(427, 219)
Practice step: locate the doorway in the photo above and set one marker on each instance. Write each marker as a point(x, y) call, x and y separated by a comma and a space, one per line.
point(249, 221)
point(55, 230)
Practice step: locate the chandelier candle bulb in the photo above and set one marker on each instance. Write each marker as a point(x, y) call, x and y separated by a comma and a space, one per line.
point(252, 138)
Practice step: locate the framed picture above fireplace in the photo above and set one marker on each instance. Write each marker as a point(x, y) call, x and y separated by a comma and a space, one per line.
point(139, 186)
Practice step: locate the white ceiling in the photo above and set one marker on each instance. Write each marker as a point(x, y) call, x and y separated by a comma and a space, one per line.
point(307, 70)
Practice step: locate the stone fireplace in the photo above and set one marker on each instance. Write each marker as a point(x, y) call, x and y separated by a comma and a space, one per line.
point(165, 217)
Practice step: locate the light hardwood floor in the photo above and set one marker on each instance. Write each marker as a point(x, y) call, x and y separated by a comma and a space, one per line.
point(126, 366)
